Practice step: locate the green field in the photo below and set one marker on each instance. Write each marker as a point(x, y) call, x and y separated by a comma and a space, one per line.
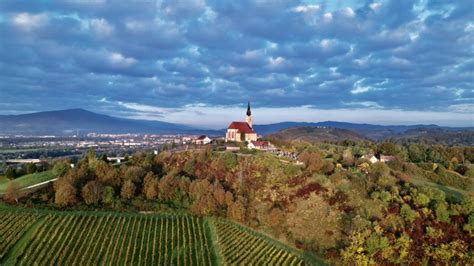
point(27, 180)
point(99, 238)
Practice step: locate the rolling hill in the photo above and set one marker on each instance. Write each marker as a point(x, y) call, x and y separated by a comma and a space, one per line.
point(316, 134)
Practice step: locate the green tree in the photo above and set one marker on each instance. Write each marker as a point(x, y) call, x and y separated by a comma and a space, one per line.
point(108, 195)
point(10, 173)
point(60, 167)
point(31, 168)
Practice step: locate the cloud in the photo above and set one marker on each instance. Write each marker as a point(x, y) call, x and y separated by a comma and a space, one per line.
point(408, 56)
point(26, 21)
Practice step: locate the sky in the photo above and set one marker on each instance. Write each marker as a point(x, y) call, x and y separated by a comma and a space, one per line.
point(198, 62)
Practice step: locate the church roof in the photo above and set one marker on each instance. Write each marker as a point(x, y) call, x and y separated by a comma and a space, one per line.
point(242, 127)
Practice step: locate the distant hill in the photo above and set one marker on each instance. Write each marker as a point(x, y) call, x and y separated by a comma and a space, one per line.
point(316, 134)
point(82, 121)
point(374, 132)
point(437, 135)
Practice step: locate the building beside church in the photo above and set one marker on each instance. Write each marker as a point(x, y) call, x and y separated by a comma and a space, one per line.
point(241, 131)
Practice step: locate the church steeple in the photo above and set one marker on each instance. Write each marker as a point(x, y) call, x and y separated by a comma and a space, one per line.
point(248, 118)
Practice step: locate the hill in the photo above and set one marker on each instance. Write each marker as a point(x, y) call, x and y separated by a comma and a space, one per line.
point(316, 134)
point(96, 238)
point(438, 136)
point(374, 132)
point(82, 121)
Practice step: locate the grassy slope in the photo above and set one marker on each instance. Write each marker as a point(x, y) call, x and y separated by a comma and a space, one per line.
point(27, 180)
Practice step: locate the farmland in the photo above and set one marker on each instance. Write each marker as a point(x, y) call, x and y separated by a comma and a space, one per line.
point(89, 238)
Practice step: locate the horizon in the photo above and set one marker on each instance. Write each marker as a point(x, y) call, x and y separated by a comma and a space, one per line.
point(225, 123)
point(198, 62)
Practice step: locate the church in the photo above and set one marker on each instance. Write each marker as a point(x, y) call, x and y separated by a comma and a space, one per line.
point(241, 131)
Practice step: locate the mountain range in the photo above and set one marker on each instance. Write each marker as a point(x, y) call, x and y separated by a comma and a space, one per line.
point(72, 121)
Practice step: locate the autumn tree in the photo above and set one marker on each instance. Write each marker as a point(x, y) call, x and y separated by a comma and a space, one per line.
point(92, 192)
point(13, 192)
point(65, 193)
point(150, 186)
point(128, 189)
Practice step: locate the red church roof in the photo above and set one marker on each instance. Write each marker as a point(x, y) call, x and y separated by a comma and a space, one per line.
point(260, 143)
point(242, 127)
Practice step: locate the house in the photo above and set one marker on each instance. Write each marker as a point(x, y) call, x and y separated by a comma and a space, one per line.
point(241, 131)
point(371, 158)
point(260, 145)
point(386, 158)
point(202, 140)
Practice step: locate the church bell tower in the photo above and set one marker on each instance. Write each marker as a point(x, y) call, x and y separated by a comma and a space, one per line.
point(248, 118)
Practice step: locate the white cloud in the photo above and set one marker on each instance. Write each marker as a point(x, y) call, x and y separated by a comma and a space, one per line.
point(118, 60)
point(348, 12)
point(28, 21)
point(101, 27)
point(306, 8)
point(375, 6)
point(327, 16)
point(367, 104)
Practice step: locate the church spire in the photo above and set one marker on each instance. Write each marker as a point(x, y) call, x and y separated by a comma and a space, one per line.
point(248, 118)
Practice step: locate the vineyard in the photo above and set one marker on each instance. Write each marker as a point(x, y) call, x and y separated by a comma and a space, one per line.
point(86, 238)
point(239, 246)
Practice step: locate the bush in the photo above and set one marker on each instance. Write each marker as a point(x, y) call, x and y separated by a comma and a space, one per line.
point(385, 196)
point(420, 199)
point(407, 213)
point(441, 212)
point(375, 243)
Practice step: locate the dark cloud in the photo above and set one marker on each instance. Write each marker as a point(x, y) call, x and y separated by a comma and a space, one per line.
point(404, 55)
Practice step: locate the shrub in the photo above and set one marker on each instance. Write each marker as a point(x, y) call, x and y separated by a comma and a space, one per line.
point(407, 213)
point(421, 199)
point(385, 196)
point(441, 212)
point(375, 243)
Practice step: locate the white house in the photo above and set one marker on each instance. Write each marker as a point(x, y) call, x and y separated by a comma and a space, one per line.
point(202, 140)
point(371, 158)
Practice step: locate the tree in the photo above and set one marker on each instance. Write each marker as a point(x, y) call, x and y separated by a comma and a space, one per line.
point(128, 189)
point(13, 192)
point(108, 195)
point(60, 168)
point(65, 193)
point(150, 186)
point(31, 168)
point(10, 173)
point(92, 192)
point(134, 173)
